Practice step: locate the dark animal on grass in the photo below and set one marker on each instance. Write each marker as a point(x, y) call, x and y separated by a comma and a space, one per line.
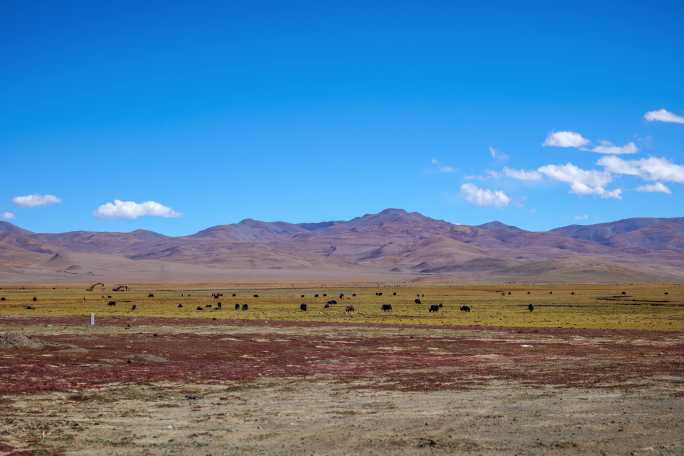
point(465, 309)
point(666, 293)
point(326, 306)
point(417, 301)
point(237, 306)
point(3, 298)
point(332, 302)
point(208, 306)
point(35, 299)
point(530, 307)
point(624, 292)
point(316, 295)
point(394, 294)
point(303, 307)
point(180, 306)
point(440, 305)
point(219, 305)
point(341, 295)
point(29, 307)
point(509, 293)
point(109, 297)
point(433, 308)
point(386, 307)
point(256, 295)
point(528, 292)
point(301, 296)
point(349, 309)
point(133, 307)
point(550, 292)
point(245, 307)
point(353, 295)
point(378, 293)
point(111, 303)
point(151, 295)
point(234, 295)
point(325, 294)
point(572, 293)
point(199, 308)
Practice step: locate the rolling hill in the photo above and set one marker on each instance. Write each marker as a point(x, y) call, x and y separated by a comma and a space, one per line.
point(390, 245)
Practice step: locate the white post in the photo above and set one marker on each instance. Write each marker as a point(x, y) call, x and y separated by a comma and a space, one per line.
point(92, 319)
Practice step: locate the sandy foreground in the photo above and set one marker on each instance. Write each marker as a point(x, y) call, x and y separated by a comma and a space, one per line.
point(212, 388)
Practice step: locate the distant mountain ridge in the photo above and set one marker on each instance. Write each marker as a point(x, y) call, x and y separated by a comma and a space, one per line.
point(392, 241)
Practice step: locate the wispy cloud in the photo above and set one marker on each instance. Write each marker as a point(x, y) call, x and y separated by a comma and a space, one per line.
point(7, 215)
point(607, 147)
point(484, 197)
point(581, 181)
point(497, 154)
point(442, 167)
point(658, 187)
point(133, 210)
point(663, 115)
point(582, 217)
point(651, 168)
point(522, 174)
point(35, 200)
point(565, 139)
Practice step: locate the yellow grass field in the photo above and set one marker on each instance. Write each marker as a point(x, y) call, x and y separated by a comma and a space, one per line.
point(637, 306)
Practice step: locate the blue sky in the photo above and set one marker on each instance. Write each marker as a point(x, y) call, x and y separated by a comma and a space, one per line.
point(308, 111)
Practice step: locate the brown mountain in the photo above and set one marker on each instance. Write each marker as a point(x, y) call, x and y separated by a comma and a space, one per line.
point(391, 245)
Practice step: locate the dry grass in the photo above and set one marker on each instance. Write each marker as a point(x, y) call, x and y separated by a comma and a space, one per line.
point(643, 306)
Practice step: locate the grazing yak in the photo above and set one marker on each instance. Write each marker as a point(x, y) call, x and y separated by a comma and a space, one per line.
point(530, 307)
point(353, 295)
point(316, 295)
point(386, 307)
point(111, 303)
point(237, 306)
point(303, 307)
point(180, 306)
point(394, 294)
point(133, 307)
point(433, 308)
point(199, 308)
point(417, 301)
point(349, 309)
point(151, 295)
point(35, 299)
point(245, 307)
point(219, 305)
point(378, 293)
point(332, 302)
point(465, 308)
point(256, 295)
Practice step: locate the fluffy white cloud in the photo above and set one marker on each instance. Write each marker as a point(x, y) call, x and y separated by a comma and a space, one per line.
point(484, 197)
point(658, 187)
point(441, 167)
point(7, 215)
point(565, 139)
point(663, 115)
point(581, 181)
point(133, 210)
point(522, 174)
point(651, 168)
point(607, 147)
point(35, 200)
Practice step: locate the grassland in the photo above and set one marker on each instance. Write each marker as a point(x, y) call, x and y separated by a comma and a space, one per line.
point(624, 306)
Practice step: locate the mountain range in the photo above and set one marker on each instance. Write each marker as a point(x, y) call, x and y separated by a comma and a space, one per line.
point(393, 245)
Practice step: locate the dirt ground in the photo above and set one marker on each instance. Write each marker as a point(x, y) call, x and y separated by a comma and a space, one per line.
point(162, 386)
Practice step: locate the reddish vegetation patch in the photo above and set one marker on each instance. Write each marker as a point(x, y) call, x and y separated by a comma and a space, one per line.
point(411, 362)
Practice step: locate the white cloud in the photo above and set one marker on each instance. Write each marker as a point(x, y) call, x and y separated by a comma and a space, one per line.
point(441, 167)
point(607, 147)
point(581, 181)
point(35, 200)
point(522, 174)
point(663, 115)
point(565, 139)
point(581, 217)
point(484, 197)
point(658, 187)
point(651, 168)
point(133, 210)
point(497, 155)
point(7, 215)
